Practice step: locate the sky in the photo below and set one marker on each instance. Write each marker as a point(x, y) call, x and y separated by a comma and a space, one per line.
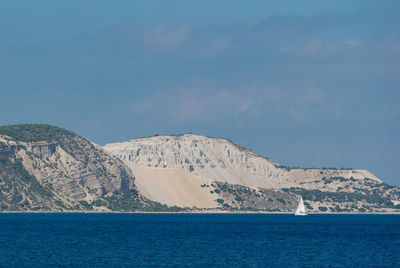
point(304, 83)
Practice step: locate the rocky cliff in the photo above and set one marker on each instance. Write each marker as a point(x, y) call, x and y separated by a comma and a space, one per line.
point(239, 178)
point(46, 168)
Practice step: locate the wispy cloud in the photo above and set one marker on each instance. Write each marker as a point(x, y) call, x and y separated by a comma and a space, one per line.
point(193, 104)
point(123, 37)
point(329, 36)
point(209, 103)
point(166, 36)
point(317, 46)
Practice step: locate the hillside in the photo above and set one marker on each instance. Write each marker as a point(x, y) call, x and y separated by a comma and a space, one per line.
point(46, 168)
point(240, 179)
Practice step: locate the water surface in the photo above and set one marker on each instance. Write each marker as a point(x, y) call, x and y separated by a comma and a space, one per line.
point(229, 240)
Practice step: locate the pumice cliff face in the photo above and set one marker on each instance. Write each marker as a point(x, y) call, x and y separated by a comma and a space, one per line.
point(225, 167)
point(220, 159)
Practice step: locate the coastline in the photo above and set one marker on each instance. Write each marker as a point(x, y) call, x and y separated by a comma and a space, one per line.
point(194, 212)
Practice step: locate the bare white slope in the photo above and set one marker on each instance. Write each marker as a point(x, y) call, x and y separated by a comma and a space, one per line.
point(173, 187)
point(220, 160)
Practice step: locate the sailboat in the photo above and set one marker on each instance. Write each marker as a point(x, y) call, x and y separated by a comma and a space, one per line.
point(300, 211)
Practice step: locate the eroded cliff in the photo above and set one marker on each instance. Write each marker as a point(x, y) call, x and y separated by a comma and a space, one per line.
point(218, 162)
point(47, 168)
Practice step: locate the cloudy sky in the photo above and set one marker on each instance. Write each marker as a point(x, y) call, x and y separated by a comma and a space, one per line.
point(305, 83)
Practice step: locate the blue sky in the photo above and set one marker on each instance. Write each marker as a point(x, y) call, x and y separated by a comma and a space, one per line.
point(305, 83)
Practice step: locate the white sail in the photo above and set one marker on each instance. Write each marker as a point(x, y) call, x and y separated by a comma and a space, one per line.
point(300, 208)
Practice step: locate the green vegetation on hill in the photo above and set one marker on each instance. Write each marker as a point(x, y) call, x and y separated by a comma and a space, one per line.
point(35, 132)
point(371, 198)
point(311, 168)
point(238, 197)
point(118, 202)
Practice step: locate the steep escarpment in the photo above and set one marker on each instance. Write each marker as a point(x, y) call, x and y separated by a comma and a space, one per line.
point(218, 160)
point(47, 168)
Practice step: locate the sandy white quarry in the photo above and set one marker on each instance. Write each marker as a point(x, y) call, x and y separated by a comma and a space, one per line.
point(171, 169)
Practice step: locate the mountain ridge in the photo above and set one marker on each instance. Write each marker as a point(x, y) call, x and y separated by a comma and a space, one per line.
point(68, 172)
point(240, 147)
point(219, 161)
point(166, 151)
point(46, 168)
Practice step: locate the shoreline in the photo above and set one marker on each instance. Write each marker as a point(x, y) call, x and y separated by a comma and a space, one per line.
point(194, 212)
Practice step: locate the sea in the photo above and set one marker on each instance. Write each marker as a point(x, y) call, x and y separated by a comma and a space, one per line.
point(198, 240)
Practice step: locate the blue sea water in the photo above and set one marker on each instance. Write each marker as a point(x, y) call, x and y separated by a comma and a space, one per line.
point(199, 240)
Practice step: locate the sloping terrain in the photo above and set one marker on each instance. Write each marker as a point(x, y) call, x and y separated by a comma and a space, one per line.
point(244, 172)
point(174, 187)
point(221, 160)
point(46, 168)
